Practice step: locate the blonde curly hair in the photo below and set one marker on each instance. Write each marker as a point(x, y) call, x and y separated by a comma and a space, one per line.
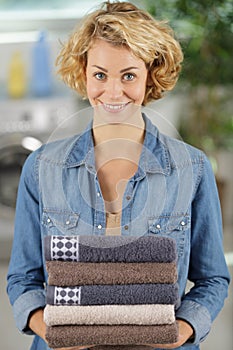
point(123, 24)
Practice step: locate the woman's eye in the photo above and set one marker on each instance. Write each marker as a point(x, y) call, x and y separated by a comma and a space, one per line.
point(128, 76)
point(100, 76)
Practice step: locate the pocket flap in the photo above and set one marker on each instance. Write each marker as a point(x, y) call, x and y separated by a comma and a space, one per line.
point(168, 223)
point(65, 220)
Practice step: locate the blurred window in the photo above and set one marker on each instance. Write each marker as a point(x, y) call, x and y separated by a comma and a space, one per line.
point(29, 15)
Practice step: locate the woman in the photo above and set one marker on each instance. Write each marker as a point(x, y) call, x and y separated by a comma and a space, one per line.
point(121, 176)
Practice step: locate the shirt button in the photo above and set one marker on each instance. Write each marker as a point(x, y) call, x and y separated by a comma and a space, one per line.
point(158, 226)
point(99, 227)
point(128, 198)
point(126, 227)
point(182, 223)
point(98, 194)
point(48, 220)
point(67, 222)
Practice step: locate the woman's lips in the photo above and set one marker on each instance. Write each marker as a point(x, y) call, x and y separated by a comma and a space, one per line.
point(121, 112)
point(114, 108)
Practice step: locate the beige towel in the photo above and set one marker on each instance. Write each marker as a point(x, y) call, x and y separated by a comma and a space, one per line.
point(154, 314)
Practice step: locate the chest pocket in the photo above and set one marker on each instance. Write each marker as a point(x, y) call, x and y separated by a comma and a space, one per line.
point(172, 226)
point(57, 222)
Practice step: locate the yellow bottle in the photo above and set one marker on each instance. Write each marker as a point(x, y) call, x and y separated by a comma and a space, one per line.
point(16, 77)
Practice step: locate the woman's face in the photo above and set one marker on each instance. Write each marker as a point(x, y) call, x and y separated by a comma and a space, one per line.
point(115, 78)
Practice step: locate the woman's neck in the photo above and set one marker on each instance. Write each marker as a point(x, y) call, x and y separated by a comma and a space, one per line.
point(131, 130)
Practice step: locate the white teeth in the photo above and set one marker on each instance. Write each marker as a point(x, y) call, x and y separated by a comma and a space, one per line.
point(115, 107)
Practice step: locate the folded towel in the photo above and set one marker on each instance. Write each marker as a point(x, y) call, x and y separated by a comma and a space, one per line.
point(121, 347)
point(114, 294)
point(67, 273)
point(65, 336)
point(110, 248)
point(154, 314)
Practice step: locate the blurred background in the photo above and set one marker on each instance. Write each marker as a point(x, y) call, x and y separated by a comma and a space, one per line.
point(34, 102)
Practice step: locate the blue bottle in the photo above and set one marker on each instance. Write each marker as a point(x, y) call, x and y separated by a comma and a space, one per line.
point(41, 68)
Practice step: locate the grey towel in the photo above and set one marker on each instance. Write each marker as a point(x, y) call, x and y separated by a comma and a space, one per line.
point(65, 273)
point(114, 294)
point(110, 248)
point(65, 336)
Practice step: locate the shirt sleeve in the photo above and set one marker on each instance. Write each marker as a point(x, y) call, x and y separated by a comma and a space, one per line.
point(208, 270)
point(26, 275)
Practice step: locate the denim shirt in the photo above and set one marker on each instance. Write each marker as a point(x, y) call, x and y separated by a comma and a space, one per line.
point(173, 193)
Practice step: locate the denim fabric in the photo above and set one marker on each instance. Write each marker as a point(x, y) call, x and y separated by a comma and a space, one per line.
point(173, 193)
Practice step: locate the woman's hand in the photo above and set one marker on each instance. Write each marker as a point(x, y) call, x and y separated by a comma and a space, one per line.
point(37, 325)
point(185, 332)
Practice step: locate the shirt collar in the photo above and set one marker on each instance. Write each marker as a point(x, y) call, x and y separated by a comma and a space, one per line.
point(154, 157)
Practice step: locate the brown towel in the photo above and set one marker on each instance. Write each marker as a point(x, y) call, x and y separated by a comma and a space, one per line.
point(64, 273)
point(121, 347)
point(65, 336)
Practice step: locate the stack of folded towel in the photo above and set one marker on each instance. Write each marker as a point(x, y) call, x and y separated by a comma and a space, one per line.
point(110, 290)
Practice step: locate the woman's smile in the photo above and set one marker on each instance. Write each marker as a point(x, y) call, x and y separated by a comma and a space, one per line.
point(114, 108)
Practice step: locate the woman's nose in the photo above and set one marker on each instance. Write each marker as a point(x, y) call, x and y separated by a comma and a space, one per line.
point(114, 89)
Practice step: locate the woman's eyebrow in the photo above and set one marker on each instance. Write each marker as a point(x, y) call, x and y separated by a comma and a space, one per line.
point(127, 69)
point(121, 71)
point(101, 68)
